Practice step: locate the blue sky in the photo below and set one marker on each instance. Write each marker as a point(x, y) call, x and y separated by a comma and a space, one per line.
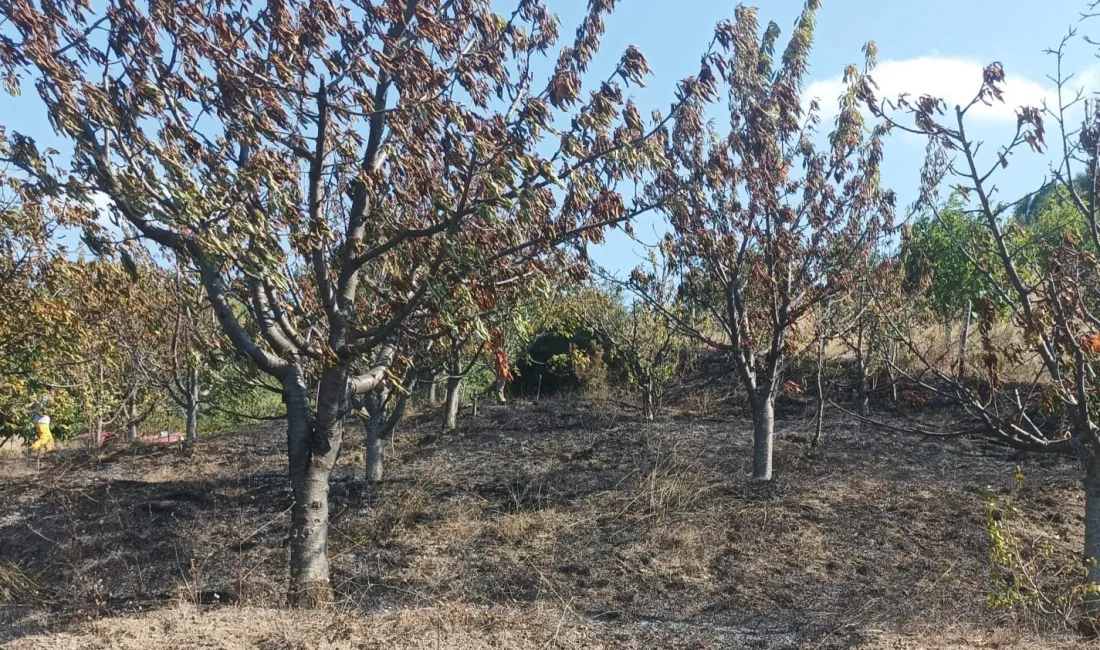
point(935, 46)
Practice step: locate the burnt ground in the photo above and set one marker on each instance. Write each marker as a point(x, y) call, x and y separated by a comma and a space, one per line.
point(559, 524)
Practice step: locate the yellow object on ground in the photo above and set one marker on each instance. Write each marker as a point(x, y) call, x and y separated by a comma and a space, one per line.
point(44, 441)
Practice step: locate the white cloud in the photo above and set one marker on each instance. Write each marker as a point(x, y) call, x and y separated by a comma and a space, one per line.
point(1086, 79)
point(954, 80)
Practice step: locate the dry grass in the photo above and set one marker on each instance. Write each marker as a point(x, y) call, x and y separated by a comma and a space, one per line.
point(448, 627)
point(16, 586)
point(674, 486)
point(13, 448)
point(547, 525)
point(460, 627)
point(930, 339)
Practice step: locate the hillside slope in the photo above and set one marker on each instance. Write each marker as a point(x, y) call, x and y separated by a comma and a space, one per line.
point(540, 525)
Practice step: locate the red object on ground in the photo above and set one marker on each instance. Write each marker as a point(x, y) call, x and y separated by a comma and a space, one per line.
point(90, 435)
point(163, 438)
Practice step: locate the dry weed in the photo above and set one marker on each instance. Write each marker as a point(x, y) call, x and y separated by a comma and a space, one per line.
point(673, 483)
point(17, 587)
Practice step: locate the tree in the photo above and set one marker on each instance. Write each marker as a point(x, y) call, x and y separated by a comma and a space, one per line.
point(641, 341)
point(382, 410)
point(1029, 208)
point(190, 356)
point(75, 334)
point(121, 325)
point(332, 170)
point(950, 283)
point(37, 318)
point(851, 317)
point(473, 326)
point(859, 337)
point(759, 244)
point(555, 337)
point(1048, 283)
point(40, 323)
point(455, 369)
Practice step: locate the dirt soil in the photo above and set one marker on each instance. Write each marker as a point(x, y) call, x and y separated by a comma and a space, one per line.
point(557, 524)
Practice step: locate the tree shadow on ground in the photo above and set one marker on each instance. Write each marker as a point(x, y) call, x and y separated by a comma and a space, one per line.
point(86, 546)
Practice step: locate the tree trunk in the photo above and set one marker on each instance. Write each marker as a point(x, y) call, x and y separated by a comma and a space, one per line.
point(374, 454)
point(961, 374)
point(192, 435)
point(450, 410)
point(192, 431)
point(193, 405)
point(313, 445)
point(1092, 542)
point(890, 371)
point(868, 359)
point(820, 424)
point(99, 408)
point(502, 391)
point(649, 407)
point(385, 408)
point(373, 428)
point(132, 420)
point(763, 426)
point(862, 362)
point(433, 392)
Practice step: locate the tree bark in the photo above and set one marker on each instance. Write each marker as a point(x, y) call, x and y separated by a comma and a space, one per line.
point(502, 391)
point(433, 392)
point(819, 426)
point(132, 420)
point(450, 409)
point(890, 372)
point(374, 453)
point(763, 425)
point(313, 445)
point(373, 428)
point(193, 405)
point(1092, 541)
point(99, 408)
point(649, 407)
point(863, 356)
point(192, 434)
